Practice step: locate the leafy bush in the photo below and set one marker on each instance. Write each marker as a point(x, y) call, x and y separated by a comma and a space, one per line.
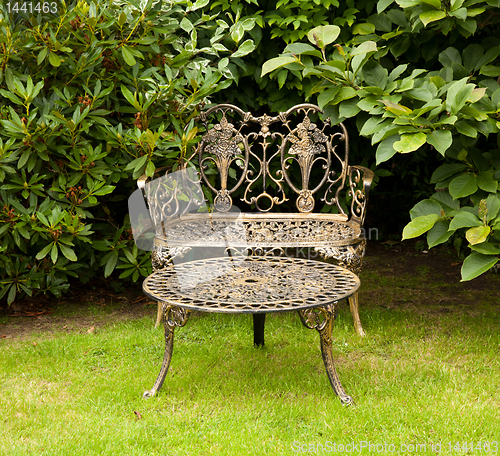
point(100, 92)
point(92, 96)
point(450, 104)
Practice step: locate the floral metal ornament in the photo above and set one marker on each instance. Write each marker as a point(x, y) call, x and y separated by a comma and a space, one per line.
point(249, 148)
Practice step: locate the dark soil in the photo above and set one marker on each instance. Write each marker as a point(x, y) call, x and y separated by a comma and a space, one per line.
point(88, 307)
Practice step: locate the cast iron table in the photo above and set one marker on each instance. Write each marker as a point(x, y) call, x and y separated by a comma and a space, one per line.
point(257, 285)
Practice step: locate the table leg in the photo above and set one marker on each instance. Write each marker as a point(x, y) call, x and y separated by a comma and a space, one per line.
point(321, 319)
point(259, 321)
point(172, 316)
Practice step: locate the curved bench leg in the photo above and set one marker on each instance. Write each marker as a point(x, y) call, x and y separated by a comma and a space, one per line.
point(353, 304)
point(322, 319)
point(172, 316)
point(259, 321)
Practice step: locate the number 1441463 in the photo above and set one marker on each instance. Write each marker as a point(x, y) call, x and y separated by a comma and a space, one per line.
point(32, 7)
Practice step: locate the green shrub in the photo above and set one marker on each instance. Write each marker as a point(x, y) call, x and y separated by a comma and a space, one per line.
point(92, 96)
point(407, 93)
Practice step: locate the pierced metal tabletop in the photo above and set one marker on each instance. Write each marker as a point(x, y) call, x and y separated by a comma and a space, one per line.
point(255, 284)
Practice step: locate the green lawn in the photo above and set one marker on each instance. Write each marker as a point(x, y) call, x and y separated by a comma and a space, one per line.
point(419, 378)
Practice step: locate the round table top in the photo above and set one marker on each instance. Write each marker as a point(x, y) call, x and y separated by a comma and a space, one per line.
point(251, 284)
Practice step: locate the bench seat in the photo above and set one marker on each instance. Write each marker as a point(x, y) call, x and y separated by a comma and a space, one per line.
point(241, 230)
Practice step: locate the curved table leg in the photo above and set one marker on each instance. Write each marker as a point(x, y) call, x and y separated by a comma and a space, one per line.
point(321, 319)
point(353, 304)
point(172, 316)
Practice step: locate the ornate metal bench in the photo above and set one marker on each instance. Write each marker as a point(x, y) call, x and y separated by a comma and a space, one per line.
point(290, 154)
point(280, 171)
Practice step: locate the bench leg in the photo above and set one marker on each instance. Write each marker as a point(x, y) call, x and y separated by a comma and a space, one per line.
point(350, 257)
point(353, 304)
point(172, 316)
point(259, 321)
point(322, 319)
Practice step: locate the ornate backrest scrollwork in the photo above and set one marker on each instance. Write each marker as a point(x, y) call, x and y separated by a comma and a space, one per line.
point(272, 158)
point(174, 195)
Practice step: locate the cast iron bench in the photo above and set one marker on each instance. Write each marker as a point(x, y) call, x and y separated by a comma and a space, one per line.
point(278, 170)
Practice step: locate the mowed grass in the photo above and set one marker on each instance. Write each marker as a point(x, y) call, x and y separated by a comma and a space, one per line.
point(418, 378)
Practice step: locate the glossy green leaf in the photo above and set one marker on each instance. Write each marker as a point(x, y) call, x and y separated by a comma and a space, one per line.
point(344, 94)
point(455, 4)
point(131, 98)
point(374, 74)
point(111, 263)
point(54, 253)
point(301, 48)
point(12, 294)
point(383, 4)
point(395, 108)
point(465, 128)
point(44, 252)
point(104, 190)
point(486, 248)
point(441, 140)
point(364, 48)
point(434, 3)
point(460, 13)
point(385, 149)
point(489, 56)
point(372, 125)
point(68, 252)
point(493, 206)
point(431, 16)
point(446, 201)
point(41, 55)
point(54, 59)
point(426, 207)
point(410, 142)
point(277, 62)
point(438, 233)
point(464, 220)
point(186, 24)
point(457, 96)
point(122, 18)
point(446, 171)
point(486, 182)
point(128, 56)
point(245, 48)
point(490, 70)
point(349, 108)
point(363, 29)
point(326, 96)
point(12, 97)
point(477, 234)
point(476, 264)
point(463, 185)
point(421, 94)
point(467, 27)
point(419, 226)
point(323, 35)
point(476, 94)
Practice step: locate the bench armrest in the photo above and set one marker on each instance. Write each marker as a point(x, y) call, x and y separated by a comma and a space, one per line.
point(360, 180)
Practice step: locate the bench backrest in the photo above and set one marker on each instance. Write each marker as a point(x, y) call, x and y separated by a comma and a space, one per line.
point(269, 160)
